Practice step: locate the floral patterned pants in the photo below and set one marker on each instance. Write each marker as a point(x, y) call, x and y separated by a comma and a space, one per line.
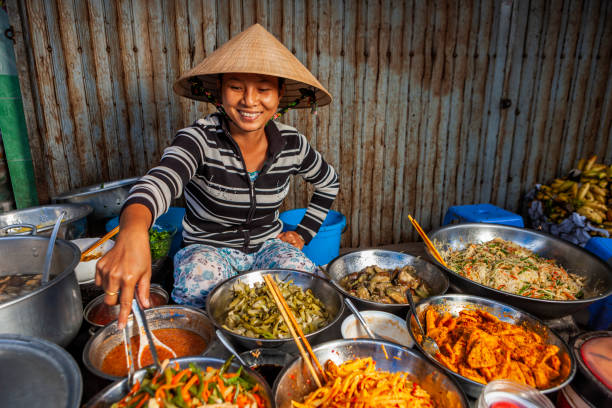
point(199, 268)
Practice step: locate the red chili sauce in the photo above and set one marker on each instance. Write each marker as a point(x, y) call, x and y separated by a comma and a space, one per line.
point(183, 342)
point(103, 314)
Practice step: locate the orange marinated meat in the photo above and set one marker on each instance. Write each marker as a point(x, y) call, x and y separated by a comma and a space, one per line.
point(479, 346)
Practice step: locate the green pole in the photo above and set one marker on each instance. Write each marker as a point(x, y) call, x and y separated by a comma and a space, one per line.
point(13, 124)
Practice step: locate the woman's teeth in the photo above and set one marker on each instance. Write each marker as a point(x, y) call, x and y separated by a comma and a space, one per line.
point(249, 115)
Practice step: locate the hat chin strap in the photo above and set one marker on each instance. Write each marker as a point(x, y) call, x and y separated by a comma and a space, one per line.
point(198, 89)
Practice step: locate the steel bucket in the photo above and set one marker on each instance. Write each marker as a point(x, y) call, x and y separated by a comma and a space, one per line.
point(42, 218)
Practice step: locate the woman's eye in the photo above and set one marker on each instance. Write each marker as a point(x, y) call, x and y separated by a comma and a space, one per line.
point(264, 89)
point(235, 88)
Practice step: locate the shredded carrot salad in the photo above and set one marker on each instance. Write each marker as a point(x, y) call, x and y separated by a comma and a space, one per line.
point(507, 266)
point(358, 384)
point(194, 387)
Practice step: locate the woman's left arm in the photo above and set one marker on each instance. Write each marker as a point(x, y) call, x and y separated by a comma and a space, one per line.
point(317, 171)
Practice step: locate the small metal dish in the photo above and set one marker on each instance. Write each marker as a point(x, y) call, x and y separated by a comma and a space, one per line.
point(222, 295)
point(163, 317)
point(156, 290)
point(357, 260)
point(453, 304)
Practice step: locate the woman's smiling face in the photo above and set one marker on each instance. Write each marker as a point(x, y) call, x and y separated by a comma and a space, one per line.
point(250, 100)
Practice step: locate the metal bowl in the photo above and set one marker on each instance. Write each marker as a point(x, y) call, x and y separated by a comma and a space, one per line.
point(222, 295)
point(114, 310)
point(119, 389)
point(106, 199)
point(42, 218)
point(163, 317)
point(294, 382)
point(573, 258)
point(357, 260)
point(453, 304)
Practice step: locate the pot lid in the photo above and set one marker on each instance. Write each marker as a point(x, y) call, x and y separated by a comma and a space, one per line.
point(36, 373)
point(596, 353)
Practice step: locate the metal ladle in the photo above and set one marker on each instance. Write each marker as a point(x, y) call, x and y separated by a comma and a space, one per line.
point(359, 317)
point(226, 343)
point(153, 341)
point(429, 345)
point(49, 256)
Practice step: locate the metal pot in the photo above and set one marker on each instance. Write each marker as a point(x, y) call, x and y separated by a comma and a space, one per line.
point(52, 312)
point(40, 220)
point(106, 199)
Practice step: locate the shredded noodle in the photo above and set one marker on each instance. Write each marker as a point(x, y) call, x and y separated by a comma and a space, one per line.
point(358, 384)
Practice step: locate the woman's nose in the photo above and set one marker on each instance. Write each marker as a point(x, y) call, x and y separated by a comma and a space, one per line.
point(250, 96)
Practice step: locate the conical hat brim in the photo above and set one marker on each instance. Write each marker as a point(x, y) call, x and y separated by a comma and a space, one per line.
point(254, 51)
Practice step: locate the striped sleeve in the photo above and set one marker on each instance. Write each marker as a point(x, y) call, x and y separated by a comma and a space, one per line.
point(178, 165)
point(314, 169)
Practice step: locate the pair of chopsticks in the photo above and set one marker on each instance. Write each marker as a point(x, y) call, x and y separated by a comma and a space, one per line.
point(429, 244)
point(99, 242)
point(295, 329)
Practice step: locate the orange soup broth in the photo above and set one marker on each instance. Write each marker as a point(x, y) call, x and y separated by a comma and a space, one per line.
point(183, 342)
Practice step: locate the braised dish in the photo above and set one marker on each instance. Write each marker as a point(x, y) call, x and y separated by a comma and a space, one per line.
point(385, 285)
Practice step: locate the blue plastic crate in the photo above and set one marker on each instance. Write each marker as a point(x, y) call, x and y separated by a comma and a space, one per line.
point(487, 213)
point(600, 312)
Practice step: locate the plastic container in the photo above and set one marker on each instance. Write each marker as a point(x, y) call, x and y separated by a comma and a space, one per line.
point(487, 213)
point(325, 246)
point(509, 394)
point(174, 216)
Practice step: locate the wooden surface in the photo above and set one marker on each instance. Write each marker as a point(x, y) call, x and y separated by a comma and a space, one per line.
point(436, 103)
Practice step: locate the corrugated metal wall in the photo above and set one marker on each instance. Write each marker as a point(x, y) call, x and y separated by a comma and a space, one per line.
point(437, 103)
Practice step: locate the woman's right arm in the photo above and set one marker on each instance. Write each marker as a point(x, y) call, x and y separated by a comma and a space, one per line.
point(128, 263)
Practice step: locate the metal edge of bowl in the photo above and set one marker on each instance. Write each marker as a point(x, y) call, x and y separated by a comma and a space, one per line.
point(86, 210)
point(516, 297)
point(590, 387)
point(471, 385)
point(392, 306)
point(99, 373)
point(91, 189)
point(263, 342)
point(56, 278)
point(116, 386)
point(155, 288)
point(60, 357)
point(338, 342)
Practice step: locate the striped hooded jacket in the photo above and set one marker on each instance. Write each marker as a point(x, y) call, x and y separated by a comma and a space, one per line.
point(223, 207)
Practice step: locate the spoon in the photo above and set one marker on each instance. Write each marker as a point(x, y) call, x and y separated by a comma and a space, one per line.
point(429, 345)
point(359, 317)
point(47, 265)
point(153, 341)
point(224, 340)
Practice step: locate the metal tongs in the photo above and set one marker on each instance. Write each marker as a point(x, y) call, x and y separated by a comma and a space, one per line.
point(154, 342)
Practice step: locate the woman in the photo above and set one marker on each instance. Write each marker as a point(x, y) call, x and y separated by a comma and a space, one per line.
point(234, 168)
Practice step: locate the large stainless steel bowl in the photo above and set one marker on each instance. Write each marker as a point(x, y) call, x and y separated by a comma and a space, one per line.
point(357, 260)
point(42, 218)
point(162, 317)
point(222, 295)
point(294, 382)
point(453, 304)
point(573, 258)
point(106, 199)
point(52, 312)
point(119, 389)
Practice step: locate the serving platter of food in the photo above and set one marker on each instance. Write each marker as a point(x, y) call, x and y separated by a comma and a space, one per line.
point(481, 340)
point(539, 273)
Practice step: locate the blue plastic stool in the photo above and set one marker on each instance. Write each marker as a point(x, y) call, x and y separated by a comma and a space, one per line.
point(325, 246)
point(487, 213)
point(600, 312)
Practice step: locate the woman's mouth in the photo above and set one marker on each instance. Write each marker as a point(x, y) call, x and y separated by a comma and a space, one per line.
point(249, 116)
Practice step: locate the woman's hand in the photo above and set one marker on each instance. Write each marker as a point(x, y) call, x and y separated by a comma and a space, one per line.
point(293, 238)
point(128, 263)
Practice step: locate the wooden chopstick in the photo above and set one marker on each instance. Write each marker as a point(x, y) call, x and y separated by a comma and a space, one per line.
point(99, 242)
point(425, 238)
point(286, 312)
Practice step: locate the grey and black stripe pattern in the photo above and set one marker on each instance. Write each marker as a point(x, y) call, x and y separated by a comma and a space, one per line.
point(224, 208)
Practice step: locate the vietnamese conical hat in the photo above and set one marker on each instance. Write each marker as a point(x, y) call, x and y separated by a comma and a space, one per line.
point(254, 51)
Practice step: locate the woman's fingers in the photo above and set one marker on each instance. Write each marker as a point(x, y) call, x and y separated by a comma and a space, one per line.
point(127, 294)
point(143, 289)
